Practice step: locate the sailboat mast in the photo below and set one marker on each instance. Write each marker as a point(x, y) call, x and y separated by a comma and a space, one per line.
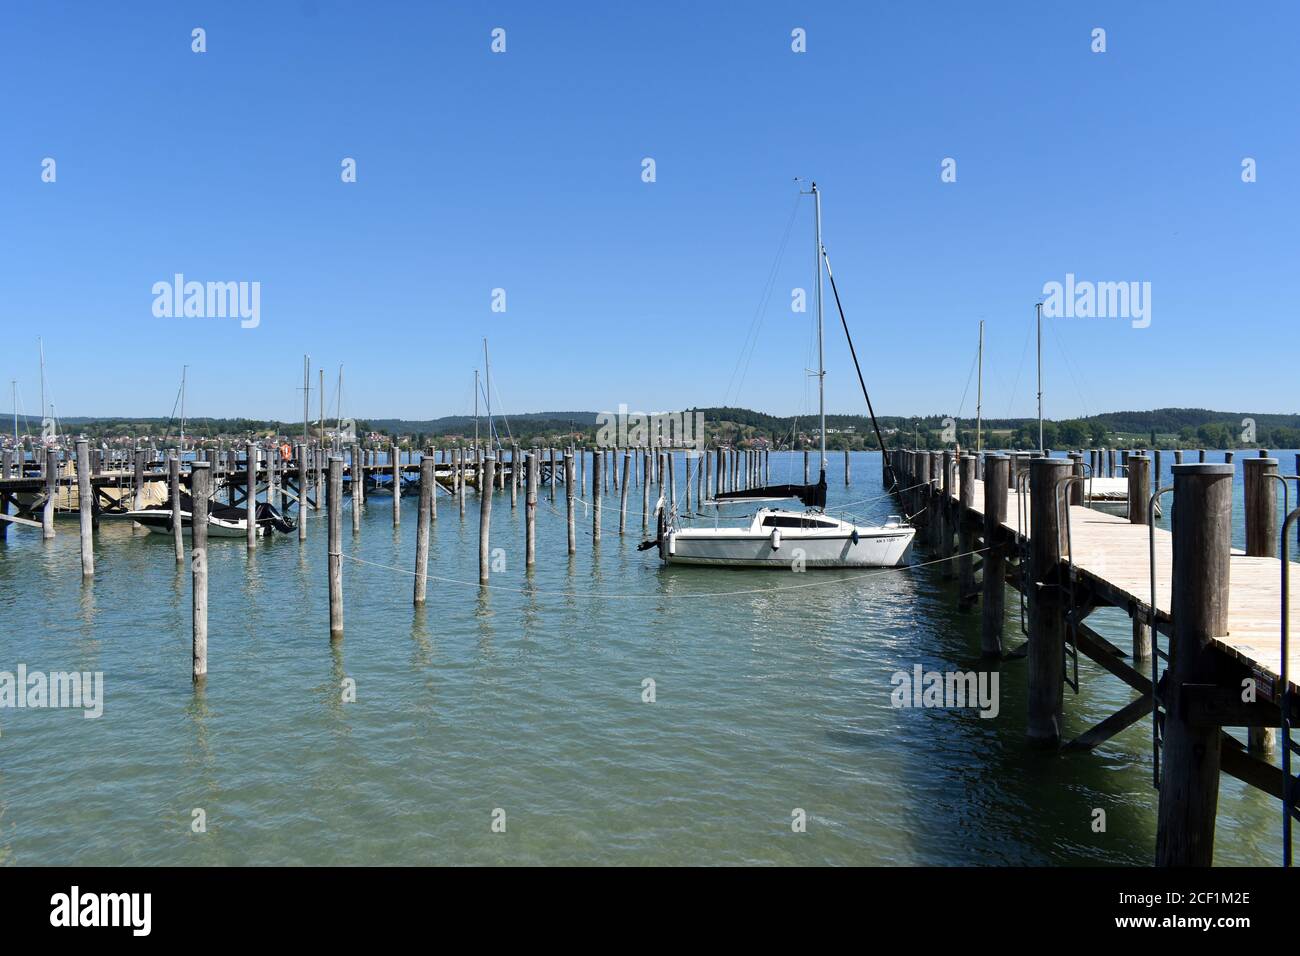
point(306, 395)
point(487, 372)
point(979, 396)
point(183, 369)
point(14, 383)
point(41, 343)
point(1039, 309)
point(476, 411)
point(322, 406)
point(821, 344)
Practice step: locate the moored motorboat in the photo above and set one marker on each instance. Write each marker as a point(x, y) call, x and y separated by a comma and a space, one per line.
point(224, 521)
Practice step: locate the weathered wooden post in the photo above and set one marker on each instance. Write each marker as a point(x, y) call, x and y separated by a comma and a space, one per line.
point(597, 464)
point(555, 474)
point(1076, 469)
point(1178, 456)
point(174, 497)
point(422, 522)
point(489, 467)
point(514, 476)
point(937, 503)
point(397, 486)
point(645, 492)
point(51, 493)
point(1189, 781)
point(138, 496)
point(461, 461)
point(200, 491)
point(947, 513)
point(335, 505)
point(530, 510)
point(966, 592)
point(1139, 510)
point(358, 487)
point(846, 466)
point(1261, 542)
point(923, 491)
point(250, 493)
point(996, 470)
point(1047, 601)
point(85, 508)
point(302, 492)
point(568, 501)
point(622, 502)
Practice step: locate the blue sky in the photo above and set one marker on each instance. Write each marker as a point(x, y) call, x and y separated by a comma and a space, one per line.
point(522, 171)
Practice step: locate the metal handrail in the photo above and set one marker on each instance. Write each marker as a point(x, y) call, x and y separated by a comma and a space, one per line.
point(1155, 636)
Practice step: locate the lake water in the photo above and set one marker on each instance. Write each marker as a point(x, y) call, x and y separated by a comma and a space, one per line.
point(772, 696)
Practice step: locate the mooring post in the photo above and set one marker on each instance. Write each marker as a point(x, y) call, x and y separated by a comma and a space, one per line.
point(1261, 542)
point(174, 499)
point(397, 486)
point(85, 508)
point(1047, 599)
point(530, 510)
point(422, 522)
point(1139, 509)
point(568, 501)
point(200, 490)
point(645, 492)
point(1189, 780)
point(1201, 453)
point(597, 481)
point(358, 486)
point(949, 516)
point(138, 497)
point(622, 503)
point(923, 491)
point(966, 592)
point(51, 493)
point(485, 518)
point(1076, 487)
point(302, 492)
point(937, 502)
point(1178, 456)
point(554, 475)
point(250, 493)
point(514, 476)
point(996, 471)
point(335, 505)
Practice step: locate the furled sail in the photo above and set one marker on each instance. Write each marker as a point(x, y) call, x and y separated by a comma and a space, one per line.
point(813, 496)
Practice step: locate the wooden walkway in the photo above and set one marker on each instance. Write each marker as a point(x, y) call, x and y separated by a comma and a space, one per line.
point(1114, 555)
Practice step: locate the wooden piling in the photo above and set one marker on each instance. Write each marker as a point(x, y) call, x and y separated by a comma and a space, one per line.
point(1261, 542)
point(424, 518)
point(200, 491)
point(622, 494)
point(358, 486)
point(86, 509)
point(397, 486)
point(1202, 540)
point(301, 455)
point(335, 505)
point(1139, 510)
point(138, 496)
point(996, 472)
point(250, 493)
point(51, 493)
point(1047, 601)
point(514, 476)
point(645, 492)
point(488, 472)
point(530, 510)
point(597, 464)
point(967, 594)
point(568, 501)
point(174, 495)
point(846, 467)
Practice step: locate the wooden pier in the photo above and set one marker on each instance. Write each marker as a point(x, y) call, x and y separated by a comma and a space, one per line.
point(1217, 608)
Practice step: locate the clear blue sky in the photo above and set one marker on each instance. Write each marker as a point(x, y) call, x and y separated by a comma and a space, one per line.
point(523, 171)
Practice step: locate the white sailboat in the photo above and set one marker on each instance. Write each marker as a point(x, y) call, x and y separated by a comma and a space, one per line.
point(784, 537)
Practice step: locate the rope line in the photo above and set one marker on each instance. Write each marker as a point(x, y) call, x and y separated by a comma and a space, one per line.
point(704, 594)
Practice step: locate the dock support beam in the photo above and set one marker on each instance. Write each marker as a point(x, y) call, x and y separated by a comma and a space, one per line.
point(996, 470)
point(1047, 600)
point(1202, 536)
point(946, 514)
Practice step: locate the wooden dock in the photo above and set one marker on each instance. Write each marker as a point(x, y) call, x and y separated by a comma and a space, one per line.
point(1217, 608)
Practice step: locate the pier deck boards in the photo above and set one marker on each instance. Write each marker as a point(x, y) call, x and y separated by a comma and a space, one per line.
point(1114, 554)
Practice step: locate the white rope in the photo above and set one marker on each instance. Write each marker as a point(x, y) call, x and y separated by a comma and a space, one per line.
point(703, 594)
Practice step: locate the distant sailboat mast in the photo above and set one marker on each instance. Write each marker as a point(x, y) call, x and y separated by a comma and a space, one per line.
point(487, 372)
point(1039, 309)
point(979, 395)
point(183, 370)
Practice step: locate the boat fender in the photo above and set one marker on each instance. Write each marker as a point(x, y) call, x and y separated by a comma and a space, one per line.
point(854, 537)
point(776, 539)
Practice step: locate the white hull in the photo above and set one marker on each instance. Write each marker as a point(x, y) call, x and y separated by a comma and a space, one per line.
point(838, 545)
point(159, 522)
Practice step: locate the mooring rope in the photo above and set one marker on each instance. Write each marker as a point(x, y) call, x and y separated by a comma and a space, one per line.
point(702, 594)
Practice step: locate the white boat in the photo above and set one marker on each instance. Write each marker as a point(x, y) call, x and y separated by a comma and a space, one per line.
point(777, 538)
point(789, 538)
